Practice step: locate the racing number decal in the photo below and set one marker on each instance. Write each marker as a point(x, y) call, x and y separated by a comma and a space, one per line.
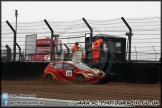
point(68, 73)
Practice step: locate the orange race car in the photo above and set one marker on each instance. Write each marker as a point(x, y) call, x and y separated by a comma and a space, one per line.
point(72, 71)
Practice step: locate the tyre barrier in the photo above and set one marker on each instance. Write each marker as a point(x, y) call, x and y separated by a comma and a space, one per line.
point(22, 70)
point(144, 73)
point(115, 72)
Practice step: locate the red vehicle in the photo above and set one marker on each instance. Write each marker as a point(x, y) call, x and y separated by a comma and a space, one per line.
point(43, 49)
point(72, 71)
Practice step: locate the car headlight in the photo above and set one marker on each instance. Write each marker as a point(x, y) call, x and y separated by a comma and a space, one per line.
point(90, 71)
point(91, 74)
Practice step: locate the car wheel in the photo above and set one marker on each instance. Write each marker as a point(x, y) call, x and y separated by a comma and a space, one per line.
point(80, 78)
point(48, 78)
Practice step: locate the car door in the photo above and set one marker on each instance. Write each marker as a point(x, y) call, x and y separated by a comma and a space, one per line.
point(57, 70)
point(69, 71)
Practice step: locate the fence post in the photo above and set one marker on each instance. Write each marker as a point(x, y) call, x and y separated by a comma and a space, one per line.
point(19, 51)
point(129, 37)
point(155, 52)
point(14, 48)
point(68, 50)
point(8, 58)
point(91, 35)
point(136, 53)
point(51, 40)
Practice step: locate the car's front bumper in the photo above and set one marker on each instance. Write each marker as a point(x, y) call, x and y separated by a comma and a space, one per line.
point(99, 79)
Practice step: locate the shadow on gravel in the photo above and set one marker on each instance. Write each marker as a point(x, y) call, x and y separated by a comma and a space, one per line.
point(72, 83)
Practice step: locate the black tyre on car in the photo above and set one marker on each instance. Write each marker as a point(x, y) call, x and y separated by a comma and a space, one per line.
point(80, 78)
point(48, 78)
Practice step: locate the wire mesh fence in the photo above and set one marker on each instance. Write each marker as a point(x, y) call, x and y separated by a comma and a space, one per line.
point(145, 44)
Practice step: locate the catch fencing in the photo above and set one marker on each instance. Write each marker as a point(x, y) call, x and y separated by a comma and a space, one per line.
point(145, 42)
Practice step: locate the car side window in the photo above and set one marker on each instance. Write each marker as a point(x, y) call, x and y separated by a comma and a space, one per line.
point(59, 66)
point(68, 66)
point(52, 66)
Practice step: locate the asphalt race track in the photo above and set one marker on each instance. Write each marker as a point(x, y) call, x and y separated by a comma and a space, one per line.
point(83, 91)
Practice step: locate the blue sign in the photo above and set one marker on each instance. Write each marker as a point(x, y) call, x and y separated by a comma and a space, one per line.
point(4, 96)
point(5, 102)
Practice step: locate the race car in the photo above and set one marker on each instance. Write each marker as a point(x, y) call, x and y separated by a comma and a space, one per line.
point(73, 71)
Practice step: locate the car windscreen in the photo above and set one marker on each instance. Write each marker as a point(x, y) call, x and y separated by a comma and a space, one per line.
point(83, 66)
